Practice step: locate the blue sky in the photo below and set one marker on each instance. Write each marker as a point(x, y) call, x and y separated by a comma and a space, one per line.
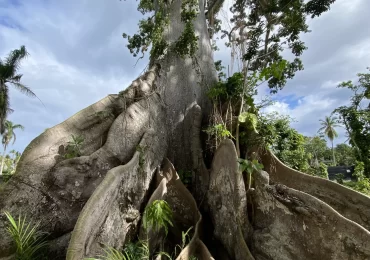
point(78, 56)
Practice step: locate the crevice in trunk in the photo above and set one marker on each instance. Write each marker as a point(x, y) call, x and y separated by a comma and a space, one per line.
point(214, 246)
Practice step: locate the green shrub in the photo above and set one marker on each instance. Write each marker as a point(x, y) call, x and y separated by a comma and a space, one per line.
point(29, 241)
point(157, 215)
point(73, 148)
point(321, 171)
point(339, 178)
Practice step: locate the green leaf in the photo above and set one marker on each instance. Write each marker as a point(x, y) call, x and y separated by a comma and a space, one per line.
point(249, 118)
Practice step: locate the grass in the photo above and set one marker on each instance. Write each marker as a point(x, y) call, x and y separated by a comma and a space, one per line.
point(29, 241)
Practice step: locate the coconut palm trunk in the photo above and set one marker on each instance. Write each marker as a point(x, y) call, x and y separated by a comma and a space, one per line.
point(332, 149)
point(2, 161)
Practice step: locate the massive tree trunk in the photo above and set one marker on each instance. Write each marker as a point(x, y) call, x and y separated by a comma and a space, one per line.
point(99, 197)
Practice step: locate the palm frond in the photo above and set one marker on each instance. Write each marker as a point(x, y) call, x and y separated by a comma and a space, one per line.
point(14, 58)
point(22, 88)
point(14, 137)
point(18, 126)
point(25, 90)
point(9, 133)
point(321, 129)
point(16, 78)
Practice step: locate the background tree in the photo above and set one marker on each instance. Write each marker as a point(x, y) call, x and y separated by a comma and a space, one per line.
point(284, 141)
point(11, 161)
point(356, 118)
point(345, 155)
point(328, 128)
point(9, 76)
point(318, 148)
point(8, 136)
point(263, 30)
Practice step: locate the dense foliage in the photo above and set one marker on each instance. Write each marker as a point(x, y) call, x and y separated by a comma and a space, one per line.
point(266, 28)
point(152, 28)
point(356, 118)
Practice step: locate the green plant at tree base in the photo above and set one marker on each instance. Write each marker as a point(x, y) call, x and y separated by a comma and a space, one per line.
point(185, 238)
point(157, 215)
point(132, 251)
point(29, 241)
point(249, 167)
point(73, 148)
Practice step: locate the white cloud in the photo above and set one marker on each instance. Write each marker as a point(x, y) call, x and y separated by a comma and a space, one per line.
point(77, 56)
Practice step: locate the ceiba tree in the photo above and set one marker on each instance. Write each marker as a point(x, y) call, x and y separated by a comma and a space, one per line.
point(134, 141)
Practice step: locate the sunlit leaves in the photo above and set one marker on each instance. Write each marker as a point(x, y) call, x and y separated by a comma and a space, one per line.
point(250, 119)
point(249, 166)
point(219, 131)
point(157, 215)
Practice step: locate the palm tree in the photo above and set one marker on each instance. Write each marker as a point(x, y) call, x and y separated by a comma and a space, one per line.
point(328, 126)
point(9, 76)
point(12, 162)
point(8, 135)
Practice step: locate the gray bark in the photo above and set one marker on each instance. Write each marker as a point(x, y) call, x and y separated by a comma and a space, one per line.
point(349, 203)
point(291, 224)
point(228, 202)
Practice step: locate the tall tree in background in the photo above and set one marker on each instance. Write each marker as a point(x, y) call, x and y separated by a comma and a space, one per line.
point(356, 117)
point(8, 136)
point(317, 147)
point(345, 155)
point(9, 76)
point(328, 128)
